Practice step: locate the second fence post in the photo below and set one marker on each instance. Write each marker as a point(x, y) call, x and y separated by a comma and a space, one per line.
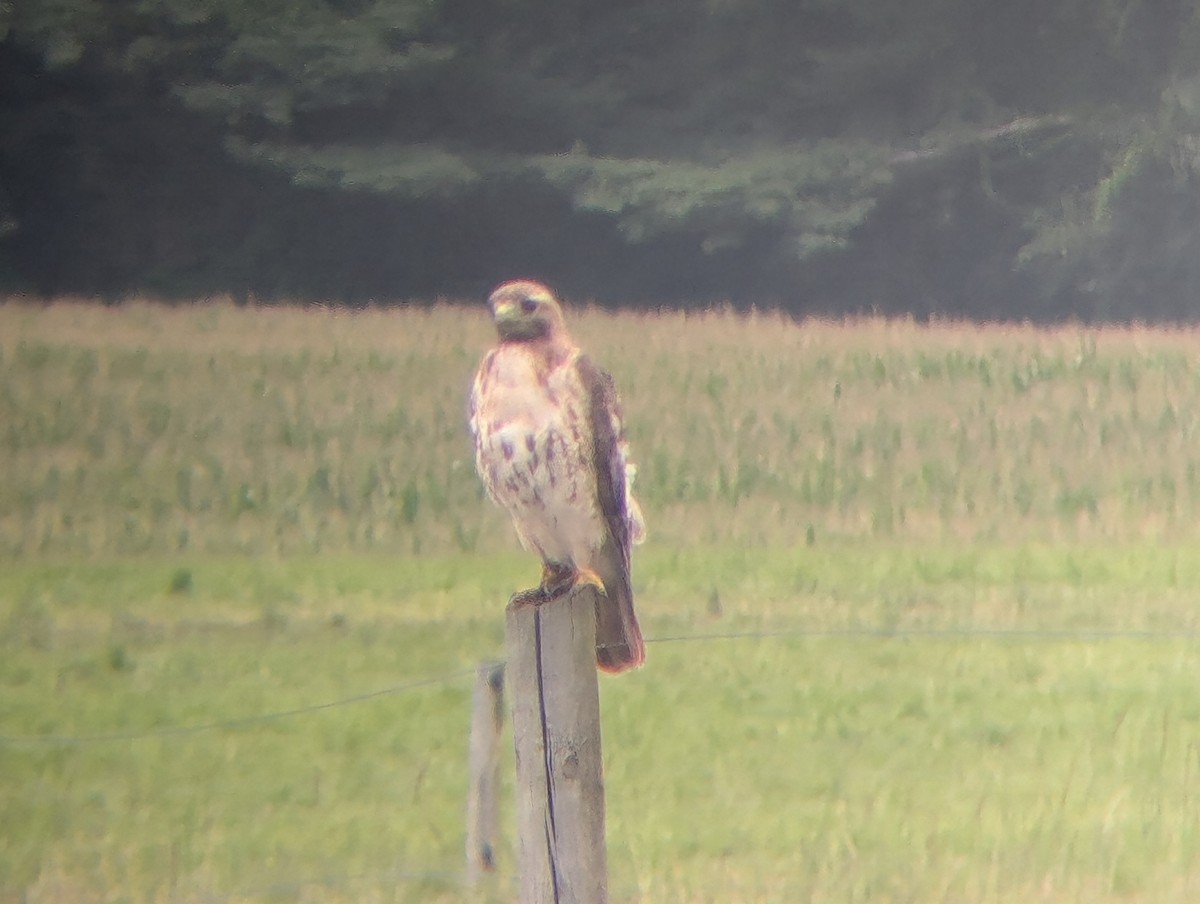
point(483, 798)
point(551, 678)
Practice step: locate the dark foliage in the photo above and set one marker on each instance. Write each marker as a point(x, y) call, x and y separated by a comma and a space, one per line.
point(1032, 160)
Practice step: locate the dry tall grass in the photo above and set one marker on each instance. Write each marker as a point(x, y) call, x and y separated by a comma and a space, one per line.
point(212, 428)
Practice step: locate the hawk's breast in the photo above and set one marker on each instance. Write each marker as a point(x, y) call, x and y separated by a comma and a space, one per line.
point(534, 452)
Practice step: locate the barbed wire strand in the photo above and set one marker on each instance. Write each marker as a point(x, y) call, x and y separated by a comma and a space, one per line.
point(234, 723)
point(446, 878)
point(453, 878)
point(864, 631)
point(964, 632)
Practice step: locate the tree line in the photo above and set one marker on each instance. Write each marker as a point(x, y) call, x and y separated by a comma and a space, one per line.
point(1032, 159)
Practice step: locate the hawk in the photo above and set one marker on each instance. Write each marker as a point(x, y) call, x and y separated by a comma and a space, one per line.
point(551, 449)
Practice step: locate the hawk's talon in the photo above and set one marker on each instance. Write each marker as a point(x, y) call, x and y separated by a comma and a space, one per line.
point(587, 576)
point(557, 579)
point(535, 596)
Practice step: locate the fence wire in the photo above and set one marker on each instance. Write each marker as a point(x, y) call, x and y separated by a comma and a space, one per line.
point(869, 632)
point(446, 878)
point(966, 632)
point(233, 723)
point(455, 878)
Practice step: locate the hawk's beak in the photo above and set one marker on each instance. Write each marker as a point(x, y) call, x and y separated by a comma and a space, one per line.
point(513, 323)
point(506, 311)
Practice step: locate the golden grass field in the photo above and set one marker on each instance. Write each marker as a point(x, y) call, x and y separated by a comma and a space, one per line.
point(215, 429)
point(921, 601)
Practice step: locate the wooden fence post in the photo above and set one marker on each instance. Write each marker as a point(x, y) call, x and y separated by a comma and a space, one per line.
point(556, 731)
point(483, 797)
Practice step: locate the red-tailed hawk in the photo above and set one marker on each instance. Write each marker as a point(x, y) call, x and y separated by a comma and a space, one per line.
point(551, 449)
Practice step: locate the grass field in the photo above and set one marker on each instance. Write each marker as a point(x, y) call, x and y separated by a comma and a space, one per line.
point(922, 603)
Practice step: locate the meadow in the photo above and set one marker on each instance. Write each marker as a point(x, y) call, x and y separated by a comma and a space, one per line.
point(921, 602)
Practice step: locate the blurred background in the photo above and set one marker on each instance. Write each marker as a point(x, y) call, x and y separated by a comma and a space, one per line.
point(1037, 159)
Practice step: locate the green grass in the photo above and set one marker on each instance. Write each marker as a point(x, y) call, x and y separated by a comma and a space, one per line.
point(921, 604)
point(928, 765)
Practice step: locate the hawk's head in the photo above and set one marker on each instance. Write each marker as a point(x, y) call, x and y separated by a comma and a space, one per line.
point(525, 311)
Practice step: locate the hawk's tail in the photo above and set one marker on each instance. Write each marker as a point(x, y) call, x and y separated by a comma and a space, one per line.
point(619, 643)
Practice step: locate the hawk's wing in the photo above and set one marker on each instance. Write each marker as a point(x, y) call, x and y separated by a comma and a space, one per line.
point(475, 424)
point(619, 643)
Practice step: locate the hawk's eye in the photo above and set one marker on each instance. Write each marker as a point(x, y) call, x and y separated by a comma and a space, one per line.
point(529, 305)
